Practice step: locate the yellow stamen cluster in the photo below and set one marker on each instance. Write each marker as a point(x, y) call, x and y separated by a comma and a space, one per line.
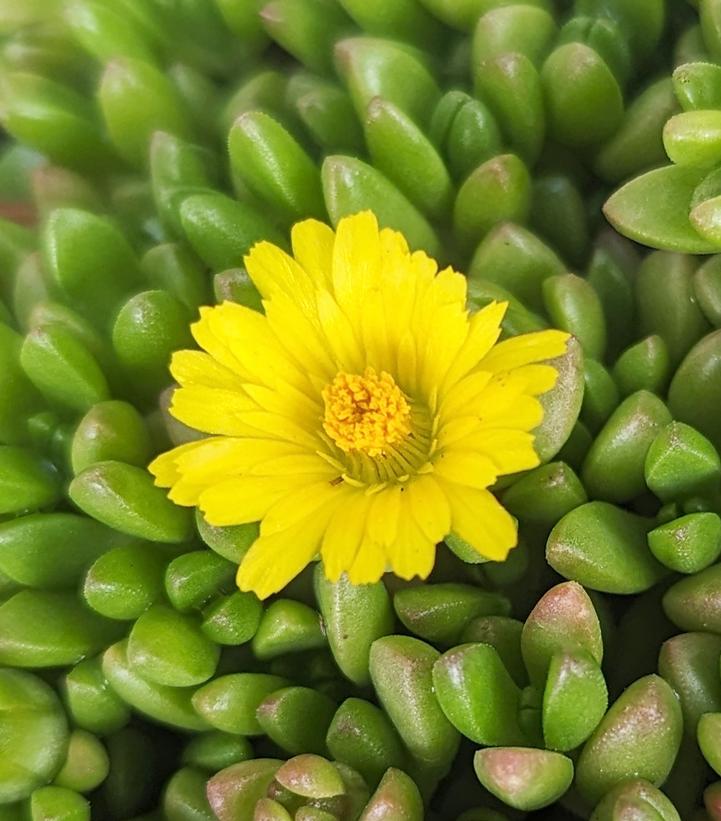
point(365, 413)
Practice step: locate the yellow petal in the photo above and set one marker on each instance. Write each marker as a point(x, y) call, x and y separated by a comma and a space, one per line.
point(393, 245)
point(433, 292)
point(276, 558)
point(301, 337)
point(412, 553)
point(524, 350)
point(272, 270)
point(340, 334)
point(479, 519)
point(439, 345)
point(251, 341)
point(509, 450)
point(305, 500)
point(383, 515)
point(379, 353)
point(223, 457)
point(165, 467)
point(244, 499)
point(370, 564)
point(356, 262)
point(463, 393)
point(523, 412)
point(274, 426)
point(504, 394)
point(400, 285)
point(537, 379)
point(455, 429)
point(345, 532)
point(484, 328)
point(407, 367)
point(207, 339)
point(199, 368)
point(296, 464)
point(429, 507)
point(286, 401)
point(465, 467)
point(312, 243)
point(212, 410)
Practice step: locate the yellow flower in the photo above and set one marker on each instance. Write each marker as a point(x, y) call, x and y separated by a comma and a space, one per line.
point(362, 418)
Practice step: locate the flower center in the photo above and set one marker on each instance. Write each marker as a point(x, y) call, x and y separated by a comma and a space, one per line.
point(366, 413)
